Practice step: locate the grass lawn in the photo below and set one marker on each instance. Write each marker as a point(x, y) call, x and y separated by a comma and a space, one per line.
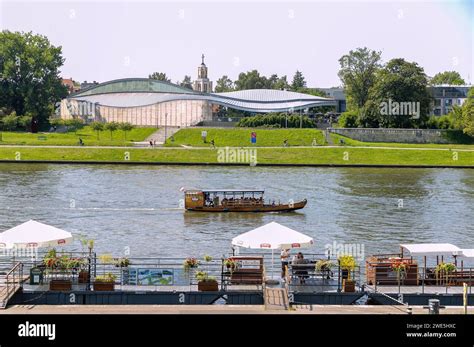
point(235, 137)
point(88, 135)
point(351, 142)
point(317, 155)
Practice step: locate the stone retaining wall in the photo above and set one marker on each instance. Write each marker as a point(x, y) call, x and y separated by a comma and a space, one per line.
point(393, 135)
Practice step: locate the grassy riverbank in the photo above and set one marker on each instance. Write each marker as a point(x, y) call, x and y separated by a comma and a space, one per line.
point(71, 138)
point(312, 156)
point(235, 137)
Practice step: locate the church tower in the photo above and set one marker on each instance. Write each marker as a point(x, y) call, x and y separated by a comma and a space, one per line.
point(202, 83)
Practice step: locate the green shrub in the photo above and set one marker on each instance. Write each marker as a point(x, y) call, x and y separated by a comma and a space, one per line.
point(277, 120)
point(10, 122)
point(25, 121)
point(349, 119)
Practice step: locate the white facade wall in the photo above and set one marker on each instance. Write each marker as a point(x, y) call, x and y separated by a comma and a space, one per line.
point(179, 113)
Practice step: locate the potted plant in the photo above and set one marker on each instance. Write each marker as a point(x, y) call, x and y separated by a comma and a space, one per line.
point(325, 266)
point(400, 267)
point(122, 262)
point(105, 282)
point(230, 264)
point(347, 264)
point(190, 263)
point(206, 283)
point(443, 270)
point(84, 272)
point(58, 266)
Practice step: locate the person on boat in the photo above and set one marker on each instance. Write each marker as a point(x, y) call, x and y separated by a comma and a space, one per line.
point(299, 267)
point(285, 257)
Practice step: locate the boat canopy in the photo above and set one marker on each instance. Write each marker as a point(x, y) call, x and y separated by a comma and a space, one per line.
point(431, 249)
point(467, 253)
point(226, 191)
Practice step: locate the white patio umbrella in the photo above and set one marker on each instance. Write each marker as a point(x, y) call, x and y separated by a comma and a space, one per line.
point(34, 234)
point(272, 236)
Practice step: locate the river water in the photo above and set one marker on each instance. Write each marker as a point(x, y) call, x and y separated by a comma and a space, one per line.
point(136, 208)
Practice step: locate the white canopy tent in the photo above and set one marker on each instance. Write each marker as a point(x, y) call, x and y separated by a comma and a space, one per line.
point(34, 234)
point(431, 249)
point(272, 236)
point(467, 253)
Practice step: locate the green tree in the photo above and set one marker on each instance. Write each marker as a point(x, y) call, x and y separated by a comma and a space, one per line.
point(312, 91)
point(56, 121)
point(98, 127)
point(357, 73)
point(125, 127)
point(400, 83)
point(160, 76)
point(111, 126)
point(251, 80)
point(186, 83)
point(298, 81)
point(447, 77)
point(468, 114)
point(30, 80)
point(73, 124)
point(281, 83)
point(224, 84)
point(349, 119)
point(10, 121)
point(25, 121)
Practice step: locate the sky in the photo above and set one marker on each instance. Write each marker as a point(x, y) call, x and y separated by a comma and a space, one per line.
point(106, 40)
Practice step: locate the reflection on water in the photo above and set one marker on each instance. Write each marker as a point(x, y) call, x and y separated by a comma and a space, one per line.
point(138, 206)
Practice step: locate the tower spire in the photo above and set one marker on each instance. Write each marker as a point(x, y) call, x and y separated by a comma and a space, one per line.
point(202, 59)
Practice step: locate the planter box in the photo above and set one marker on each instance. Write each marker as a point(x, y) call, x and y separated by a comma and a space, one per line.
point(83, 277)
point(209, 286)
point(104, 286)
point(348, 286)
point(60, 285)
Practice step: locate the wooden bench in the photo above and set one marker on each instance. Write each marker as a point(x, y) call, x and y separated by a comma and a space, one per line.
point(249, 271)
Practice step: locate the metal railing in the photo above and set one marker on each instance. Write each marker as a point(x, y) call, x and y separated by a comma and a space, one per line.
point(12, 281)
point(381, 273)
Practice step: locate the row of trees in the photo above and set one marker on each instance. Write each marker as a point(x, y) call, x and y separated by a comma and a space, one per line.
point(250, 80)
point(371, 85)
point(74, 124)
point(98, 127)
point(254, 80)
point(161, 76)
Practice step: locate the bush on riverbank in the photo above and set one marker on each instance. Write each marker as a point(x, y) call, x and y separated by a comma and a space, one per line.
point(277, 120)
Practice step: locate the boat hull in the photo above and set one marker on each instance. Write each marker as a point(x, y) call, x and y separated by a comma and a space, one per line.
point(264, 208)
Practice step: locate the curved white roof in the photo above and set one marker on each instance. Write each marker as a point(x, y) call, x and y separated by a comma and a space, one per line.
point(269, 95)
point(143, 92)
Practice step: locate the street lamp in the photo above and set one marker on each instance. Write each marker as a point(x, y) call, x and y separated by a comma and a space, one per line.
point(166, 116)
